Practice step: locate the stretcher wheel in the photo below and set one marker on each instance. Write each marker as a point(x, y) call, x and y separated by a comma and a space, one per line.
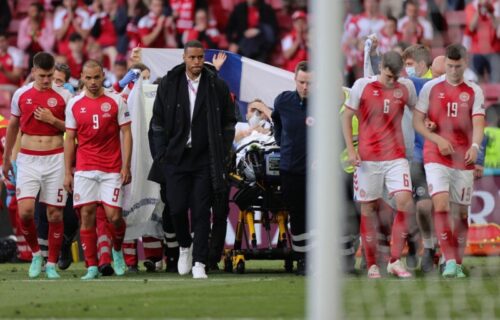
point(289, 265)
point(240, 267)
point(228, 264)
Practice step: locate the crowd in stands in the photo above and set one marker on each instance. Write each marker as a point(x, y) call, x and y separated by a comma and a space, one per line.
point(434, 23)
point(107, 30)
point(271, 31)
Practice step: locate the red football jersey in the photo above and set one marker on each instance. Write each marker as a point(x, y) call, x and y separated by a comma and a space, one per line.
point(379, 111)
point(27, 99)
point(146, 26)
point(13, 58)
point(3, 133)
point(451, 108)
point(97, 123)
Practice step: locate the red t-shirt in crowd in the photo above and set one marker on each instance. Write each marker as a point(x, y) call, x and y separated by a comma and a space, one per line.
point(13, 58)
point(146, 26)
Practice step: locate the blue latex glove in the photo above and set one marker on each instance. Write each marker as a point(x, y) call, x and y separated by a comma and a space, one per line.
point(129, 77)
point(12, 178)
point(69, 87)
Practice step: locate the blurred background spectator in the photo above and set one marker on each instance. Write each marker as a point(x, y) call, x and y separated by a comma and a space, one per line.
point(413, 27)
point(203, 30)
point(69, 19)
point(295, 44)
point(252, 29)
point(482, 37)
point(36, 32)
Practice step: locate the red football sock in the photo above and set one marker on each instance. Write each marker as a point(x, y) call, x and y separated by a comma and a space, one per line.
point(56, 235)
point(28, 229)
point(89, 245)
point(399, 235)
point(445, 236)
point(103, 238)
point(129, 248)
point(118, 234)
point(369, 238)
point(460, 232)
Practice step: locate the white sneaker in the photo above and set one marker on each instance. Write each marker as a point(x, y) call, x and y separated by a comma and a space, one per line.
point(398, 269)
point(374, 272)
point(185, 262)
point(199, 271)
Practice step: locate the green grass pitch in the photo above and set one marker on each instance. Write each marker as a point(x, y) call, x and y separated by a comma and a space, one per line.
point(264, 292)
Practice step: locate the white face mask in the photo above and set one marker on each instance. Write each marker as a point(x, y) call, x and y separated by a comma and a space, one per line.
point(411, 72)
point(146, 81)
point(254, 120)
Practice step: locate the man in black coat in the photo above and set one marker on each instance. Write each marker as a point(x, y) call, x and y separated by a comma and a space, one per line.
point(192, 130)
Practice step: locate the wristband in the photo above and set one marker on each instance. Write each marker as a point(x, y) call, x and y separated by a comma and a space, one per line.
point(475, 145)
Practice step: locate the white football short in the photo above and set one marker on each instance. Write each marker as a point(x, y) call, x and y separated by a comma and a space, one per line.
point(97, 187)
point(371, 177)
point(41, 171)
point(458, 183)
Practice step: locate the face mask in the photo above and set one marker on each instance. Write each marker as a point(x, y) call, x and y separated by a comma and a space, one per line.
point(254, 120)
point(411, 72)
point(146, 81)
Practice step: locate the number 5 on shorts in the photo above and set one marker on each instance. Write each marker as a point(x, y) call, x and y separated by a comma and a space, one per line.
point(60, 195)
point(116, 194)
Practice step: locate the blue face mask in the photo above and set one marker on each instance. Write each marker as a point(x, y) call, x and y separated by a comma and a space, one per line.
point(411, 72)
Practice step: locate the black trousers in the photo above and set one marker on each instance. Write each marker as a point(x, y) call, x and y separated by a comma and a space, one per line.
point(218, 233)
point(294, 196)
point(190, 189)
point(350, 223)
point(171, 250)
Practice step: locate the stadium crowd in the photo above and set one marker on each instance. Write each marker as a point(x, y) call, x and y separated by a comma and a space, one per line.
point(90, 48)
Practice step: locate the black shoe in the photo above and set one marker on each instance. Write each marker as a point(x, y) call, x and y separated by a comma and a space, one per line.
point(106, 270)
point(427, 263)
point(150, 265)
point(411, 261)
point(411, 257)
point(348, 265)
point(301, 267)
point(212, 266)
point(65, 257)
point(133, 269)
point(171, 265)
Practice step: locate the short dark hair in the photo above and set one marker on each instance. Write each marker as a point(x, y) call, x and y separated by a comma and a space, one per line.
point(92, 64)
point(121, 62)
point(393, 19)
point(301, 66)
point(456, 52)
point(44, 60)
point(140, 66)
point(38, 6)
point(412, 2)
point(75, 36)
point(64, 68)
point(193, 44)
point(418, 53)
point(393, 61)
